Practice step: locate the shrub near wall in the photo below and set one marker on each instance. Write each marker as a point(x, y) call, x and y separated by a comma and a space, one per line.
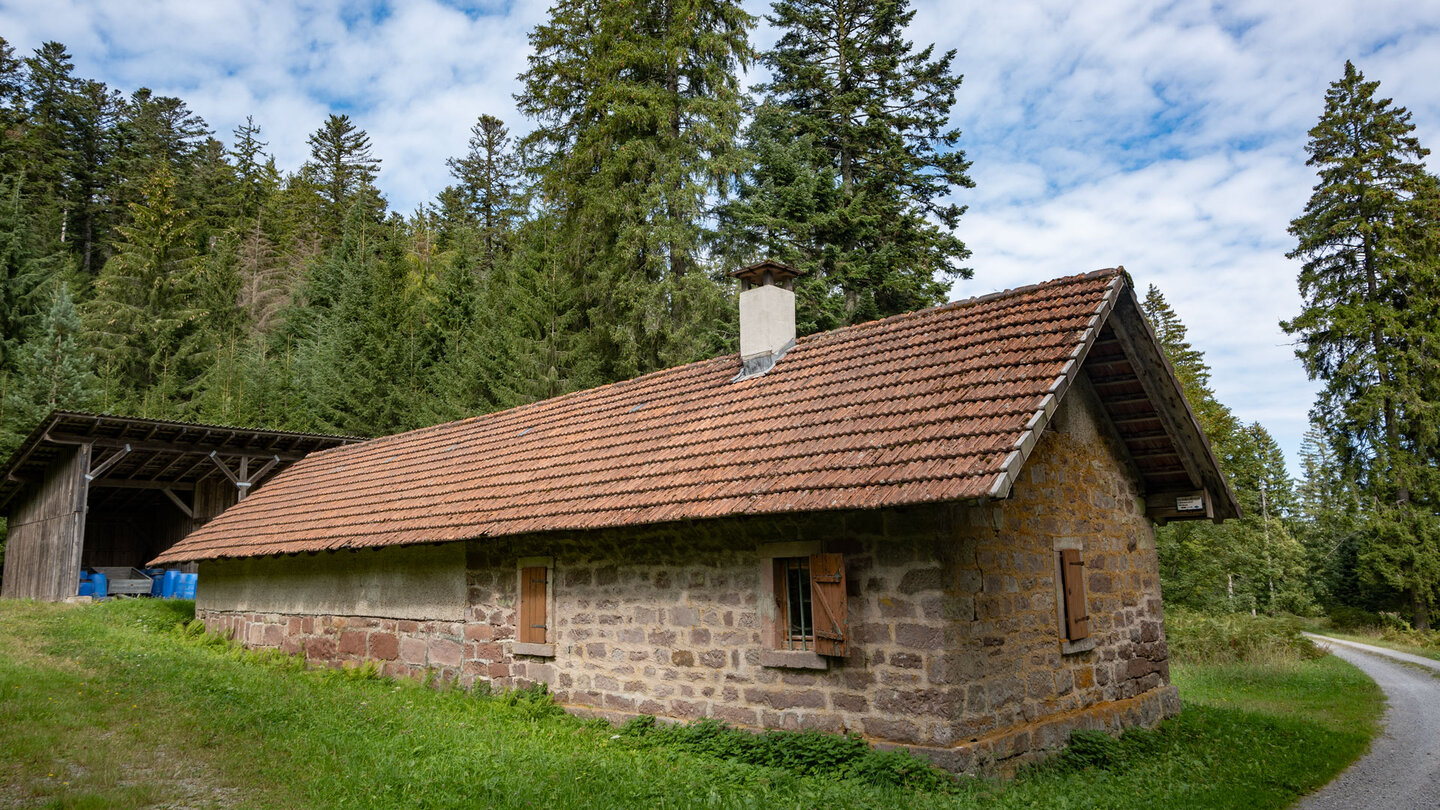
point(1203, 638)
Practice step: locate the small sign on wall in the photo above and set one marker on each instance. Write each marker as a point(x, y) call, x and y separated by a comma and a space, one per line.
point(1190, 503)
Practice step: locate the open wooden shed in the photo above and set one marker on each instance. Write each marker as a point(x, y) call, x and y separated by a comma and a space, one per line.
point(89, 490)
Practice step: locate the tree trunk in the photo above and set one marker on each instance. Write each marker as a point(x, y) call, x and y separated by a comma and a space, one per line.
point(1421, 609)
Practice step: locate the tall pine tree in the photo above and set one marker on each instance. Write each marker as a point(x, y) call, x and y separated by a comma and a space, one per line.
point(1370, 327)
point(637, 108)
point(144, 310)
point(344, 170)
point(488, 179)
point(857, 163)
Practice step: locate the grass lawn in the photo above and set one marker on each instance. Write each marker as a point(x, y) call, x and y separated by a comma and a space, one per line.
point(107, 706)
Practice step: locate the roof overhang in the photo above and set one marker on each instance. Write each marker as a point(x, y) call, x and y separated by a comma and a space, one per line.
point(130, 453)
point(1137, 386)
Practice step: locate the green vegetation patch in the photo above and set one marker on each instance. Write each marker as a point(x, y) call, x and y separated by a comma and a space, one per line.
point(111, 705)
point(1236, 638)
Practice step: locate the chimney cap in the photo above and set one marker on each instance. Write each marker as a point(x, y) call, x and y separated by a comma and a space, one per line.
point(766, 272)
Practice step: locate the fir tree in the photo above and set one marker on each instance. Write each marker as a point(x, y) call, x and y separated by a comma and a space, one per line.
point(52, 371)
point(1255, 562)
point(859, 119)
point(343, 169)
point(358, 354)
point(473, 320)
point(144, 311)
point(12, 109)
point(637, 108)
point(488, 184)
point(1369, 326)
point(255, 174)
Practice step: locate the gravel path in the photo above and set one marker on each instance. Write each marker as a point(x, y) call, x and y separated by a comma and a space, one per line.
point(1402, 769)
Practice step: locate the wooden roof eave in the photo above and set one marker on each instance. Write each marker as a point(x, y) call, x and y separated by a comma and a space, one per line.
point(181, 440)
point(1162, 386)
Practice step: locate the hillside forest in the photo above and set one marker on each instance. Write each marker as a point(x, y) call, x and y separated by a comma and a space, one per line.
point(150, 266)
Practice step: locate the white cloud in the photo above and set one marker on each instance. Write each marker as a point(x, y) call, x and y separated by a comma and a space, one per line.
point(1170, 139)
point(1167, 137)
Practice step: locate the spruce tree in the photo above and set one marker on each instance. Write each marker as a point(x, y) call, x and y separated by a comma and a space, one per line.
point(144, 311)
point(49, 147)
point(255, 175)
point(637, 108)
point(1369, 325)
point(858, 118)
point(12, 109)
point(488, 184)
point(343, 170)
point(358, 354)
point(1255, 562)
point(52, 370)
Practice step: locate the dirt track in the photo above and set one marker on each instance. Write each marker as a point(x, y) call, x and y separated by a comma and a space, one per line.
point(1402, 769)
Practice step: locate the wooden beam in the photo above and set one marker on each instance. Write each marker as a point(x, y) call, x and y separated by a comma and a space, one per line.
point(175, 499)
point(244, 479)
point(166, 447)
point(1135, 420)
point(258, 474)
point(224, 468)
point(1160, 387)
point(134, 483)
point(1167, 453)
point(96, 472)
point(1125, 401)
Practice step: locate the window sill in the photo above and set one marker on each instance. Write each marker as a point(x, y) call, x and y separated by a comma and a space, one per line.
point(793, 659)
point(539, 650)
point(1083, 645)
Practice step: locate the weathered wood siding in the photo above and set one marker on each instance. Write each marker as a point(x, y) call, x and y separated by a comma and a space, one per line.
point(47, 530)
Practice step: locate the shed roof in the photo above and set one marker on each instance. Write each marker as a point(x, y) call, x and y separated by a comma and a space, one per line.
point(133, 454)
point(938, 405)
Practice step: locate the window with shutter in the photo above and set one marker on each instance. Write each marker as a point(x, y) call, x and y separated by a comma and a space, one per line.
point(806, 589)
point(1076, 610)
point(532, 604)
point(533, 613)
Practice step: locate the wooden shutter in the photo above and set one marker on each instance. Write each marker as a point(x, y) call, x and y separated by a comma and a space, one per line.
point(1077, 614)
point(532, 605)
point(827, 598)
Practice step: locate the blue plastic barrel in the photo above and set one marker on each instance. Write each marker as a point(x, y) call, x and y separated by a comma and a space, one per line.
point(170, 585)
point(187, 585)
point(101, 583)
point(87, 588)
point(157, 579)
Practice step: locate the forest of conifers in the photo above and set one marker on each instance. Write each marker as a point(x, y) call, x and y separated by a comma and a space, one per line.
point(150, 266)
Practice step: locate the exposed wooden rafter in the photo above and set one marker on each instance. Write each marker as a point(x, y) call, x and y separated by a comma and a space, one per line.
point(244, 479)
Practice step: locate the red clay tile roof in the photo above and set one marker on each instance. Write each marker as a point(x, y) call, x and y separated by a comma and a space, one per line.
point(935, 405)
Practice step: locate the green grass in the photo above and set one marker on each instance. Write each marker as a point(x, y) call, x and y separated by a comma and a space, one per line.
point(108, 706)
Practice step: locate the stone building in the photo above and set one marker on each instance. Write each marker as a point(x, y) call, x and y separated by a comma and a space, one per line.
point(935, 530)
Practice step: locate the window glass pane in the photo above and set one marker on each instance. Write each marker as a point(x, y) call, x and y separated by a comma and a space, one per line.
point(797, 602)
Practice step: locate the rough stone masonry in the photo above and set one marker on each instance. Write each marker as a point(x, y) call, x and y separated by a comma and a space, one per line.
point(954, 646)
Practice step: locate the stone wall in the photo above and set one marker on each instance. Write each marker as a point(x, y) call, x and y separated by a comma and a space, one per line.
point(954, 648)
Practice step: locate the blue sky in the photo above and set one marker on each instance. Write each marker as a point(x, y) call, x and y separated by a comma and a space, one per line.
point(1165, 137)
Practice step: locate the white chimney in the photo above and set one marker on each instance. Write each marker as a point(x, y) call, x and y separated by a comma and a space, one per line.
point(767, 316)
